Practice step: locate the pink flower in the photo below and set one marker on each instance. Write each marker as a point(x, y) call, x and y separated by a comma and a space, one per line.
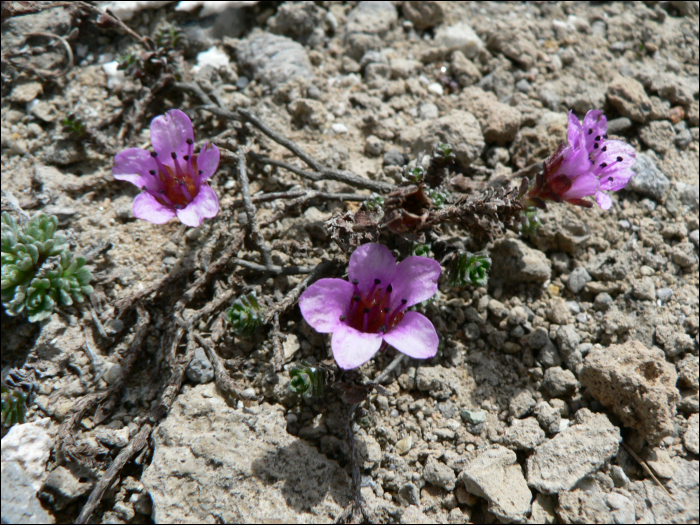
point(371, 309)
point(172, 177)
point(588, 165)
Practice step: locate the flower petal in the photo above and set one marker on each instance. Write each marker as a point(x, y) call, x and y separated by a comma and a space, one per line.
point(575, 161)
point(603, 200)
point(370, 262)
point(208, 161)
point(595, 125)
point(414, 336)
point(169, 133)
point(133, 165)
point(416, 280)
point(204, 206)
point(582, 186)
point(324, 302)
point(575, 135)
point(616, 180)
point(146, 207)
point(614, 150)
point(352, 348)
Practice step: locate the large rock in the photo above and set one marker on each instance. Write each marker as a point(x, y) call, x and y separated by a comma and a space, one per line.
point(372, 17)
point(629, 98)
point(637, 384)
point(461, 129)
point(649, 180)
point(211, 462)
point(558, 464)
point(515, 261)
point(19, 501)
point(274, 59)
point(496, 476)
point(499, 122)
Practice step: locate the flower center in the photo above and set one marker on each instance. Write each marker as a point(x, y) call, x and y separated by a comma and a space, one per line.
point(372, 312)
point(177, 186)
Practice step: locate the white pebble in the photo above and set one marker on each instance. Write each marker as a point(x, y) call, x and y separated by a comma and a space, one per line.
point(339, 128)
point(213, 57)
point(436, 88)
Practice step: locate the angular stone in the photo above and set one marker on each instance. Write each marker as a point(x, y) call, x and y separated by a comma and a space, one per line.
point(636, 383)
point(496, 476)
point(240, 465)
point(514, 261)
point(558, 464)
point(439, 474)
point(461, 129)
point(274, 59)
point(523, 434)
point(629, 98)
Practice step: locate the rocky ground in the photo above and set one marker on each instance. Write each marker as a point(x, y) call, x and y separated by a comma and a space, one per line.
point(566, 390)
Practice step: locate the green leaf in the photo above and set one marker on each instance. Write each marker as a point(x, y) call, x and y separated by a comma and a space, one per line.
point(306, 380)
point(245, 315)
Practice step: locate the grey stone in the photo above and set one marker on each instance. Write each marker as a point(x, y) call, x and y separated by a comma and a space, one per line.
point(644, 289)
point(683, 254)
point(296, 20)
point(64, 152)
point(200, 369)
point(496, 476)
point(543, 509)
point(629, 98)
point(57, 21)
point(274, 59)
point(672, 341)
point(514, 261)
point(428, 111)
point(423, 15)
point(464, 70)
point(499, 122)
point(29, 445)
point(558, 464)
point(583, 506)
point(658, 135)
point(664, 294)
point(617, 126)
point(558, 382)
point(473, 417)
point(410, 493)
point(636, 383)
point(649, 180)
point(558, 311)
point(612, 265)
point(617, 473)
point(523, 434)
point(603, 302)
point(435, 381)
point(372, 17)
point(568, 340)
point(548, 355)
point(523, 86)
point(538, 338)
point(204, 449)
point(683, 139)
point(622, 508)
point(459, 37)
point(522, 404)
point(578, 279)
point(62, 488)
point(19, 500)
point(460, 128)
point(439, 474)
point(394, 157)
point(369, 451)
point(548, 417)
point(694, 237)
point(691, 437)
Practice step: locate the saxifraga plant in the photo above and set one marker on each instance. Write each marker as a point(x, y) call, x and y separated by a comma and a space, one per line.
point(38, 269)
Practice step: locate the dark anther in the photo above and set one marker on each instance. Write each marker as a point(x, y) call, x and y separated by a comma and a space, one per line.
point(154, 154)
point(604, 148)
point(590, 131)
point(619, 159)
point(356, 298)
point(152, 172)
point(603, 164)
point(143, 188)
point(605, 136)
point(595, 146)
point(404, 301)
point(386, 310)
point(610, 179)
point(187, 157)
point(162, 192)
point(355, 281)
point(389, 288)
point(342, 318)
point(366, 310)
point(189, 141)
point(173, 155)
point(382, 329)
point(597, 138)
point(377, 281)
point(200, 172)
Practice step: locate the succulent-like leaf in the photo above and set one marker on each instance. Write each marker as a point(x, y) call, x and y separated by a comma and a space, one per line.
point(38, 269)
point(306, 380)
point(13, 406)
point(245, 314)
point(470, 268)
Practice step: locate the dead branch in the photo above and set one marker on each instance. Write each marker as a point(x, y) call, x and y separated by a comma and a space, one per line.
point(250, 209)
point(221, 375)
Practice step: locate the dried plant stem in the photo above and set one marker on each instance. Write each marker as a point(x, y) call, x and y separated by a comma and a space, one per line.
point(277, 342)
point(274, 269)
point(389, 369)
point(647, 469)
point(250, 209)
point(354, 512)
point(221, 375)
point(297, 194)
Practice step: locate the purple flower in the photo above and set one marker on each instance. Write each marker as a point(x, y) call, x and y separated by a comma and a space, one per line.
point(172, 177)
point(589, 165)
point(372, 308)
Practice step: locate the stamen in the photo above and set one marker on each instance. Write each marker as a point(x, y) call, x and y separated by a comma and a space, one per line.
point(152, 172)
point(605, 148)
point(389, 289)
point(595, 146)
point(365, 320)
point(603, 164)
point(590, 131)
point(382, 329)
point(178, 169)
point(356, 298)
point(355, 282)
point(186, 193)
point(619, 159)
point(377, 281)
point(597, 138)
point(343, 318)
point(163, 172)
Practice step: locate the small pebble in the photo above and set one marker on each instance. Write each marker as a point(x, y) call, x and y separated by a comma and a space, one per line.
point(436, 88)
point(664, 294)
point(625, 224)
point(339, 128)
point(523, 85)
point(582, 318)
